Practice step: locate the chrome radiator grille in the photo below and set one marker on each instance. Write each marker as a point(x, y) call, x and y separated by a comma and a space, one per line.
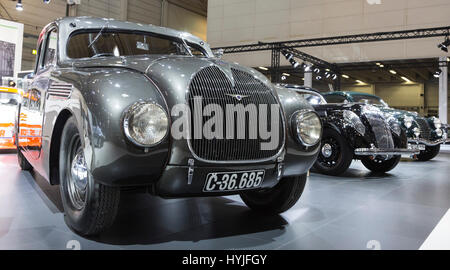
point(214, 87)
point(425, 131)
point(380, 128)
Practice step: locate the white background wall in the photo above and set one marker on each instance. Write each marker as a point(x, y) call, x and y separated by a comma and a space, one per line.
point(12, 32)
point(233, 22)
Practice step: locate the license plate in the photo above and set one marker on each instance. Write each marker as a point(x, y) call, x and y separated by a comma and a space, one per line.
point(233, 181)
point(420, 147)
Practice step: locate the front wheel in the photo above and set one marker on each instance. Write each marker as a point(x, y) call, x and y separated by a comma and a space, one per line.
point(380, 165)
point(277, 199)
point(335, 155)
point(429, 153)
point(90, 207)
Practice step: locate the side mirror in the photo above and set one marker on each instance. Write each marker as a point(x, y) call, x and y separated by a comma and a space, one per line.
point(219, 53)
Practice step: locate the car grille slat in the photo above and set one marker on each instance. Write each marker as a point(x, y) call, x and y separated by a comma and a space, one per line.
point(215, 87)
point(425, 130)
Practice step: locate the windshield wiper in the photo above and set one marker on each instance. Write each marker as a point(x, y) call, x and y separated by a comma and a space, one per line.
point(98, 35)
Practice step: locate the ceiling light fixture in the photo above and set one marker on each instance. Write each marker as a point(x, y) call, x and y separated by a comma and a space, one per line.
point(263, 68)
point(443, 46)
point(405, 79)
point(345, 76)
point(393, 71)
point(360, 82)
point(19, 6)
point(286, 74)
point(437, 73)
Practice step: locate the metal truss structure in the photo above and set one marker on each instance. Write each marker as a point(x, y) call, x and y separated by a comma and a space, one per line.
point(290, 46)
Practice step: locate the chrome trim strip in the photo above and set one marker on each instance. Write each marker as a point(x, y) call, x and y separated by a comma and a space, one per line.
point(384, 152)
point(428, 142)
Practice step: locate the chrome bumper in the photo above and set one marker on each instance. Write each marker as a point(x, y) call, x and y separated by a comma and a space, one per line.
point(385, 152)
point(428, 142)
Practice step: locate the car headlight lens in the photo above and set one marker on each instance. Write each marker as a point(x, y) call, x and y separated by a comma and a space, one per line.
point(416, 132)
point(308, 127)
point(395, 126)
point(408, 121)
point(353, 120)
point(146, 124)
point(437, 123)
point(439, 132)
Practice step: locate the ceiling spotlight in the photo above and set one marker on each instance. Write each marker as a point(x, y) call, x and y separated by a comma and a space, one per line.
point(307, 68)
point(334, 77)
point(286, 74)
point(263, 68)
point(360, 82)
point(46, 1)
point(437, 73)
point(346, 76)
point(317, 70)
point(283, 78)
point(443, 46)
point(406, 79)
point(290, 58)
point(19, 6)
point(294, 63)
point(393, 71)
point(319, 78)
point(327, 75)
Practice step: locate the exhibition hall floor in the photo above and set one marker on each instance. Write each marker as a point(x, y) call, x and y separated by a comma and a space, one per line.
point(398, 210)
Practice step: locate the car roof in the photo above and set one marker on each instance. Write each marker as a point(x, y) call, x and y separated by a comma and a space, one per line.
point(71, 24)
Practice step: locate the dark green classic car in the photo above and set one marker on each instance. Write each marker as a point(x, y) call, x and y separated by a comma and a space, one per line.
point(425, 133)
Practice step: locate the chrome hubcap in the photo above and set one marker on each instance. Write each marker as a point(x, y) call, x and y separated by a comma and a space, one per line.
point(78, 180)
point(327, 150)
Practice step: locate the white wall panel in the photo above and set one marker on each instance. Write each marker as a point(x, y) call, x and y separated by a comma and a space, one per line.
point(232, 22)
point(99, 8)
point(144, 11)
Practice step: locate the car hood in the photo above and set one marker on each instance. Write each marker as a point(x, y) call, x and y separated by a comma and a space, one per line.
point(398, 113)
point(171, 74)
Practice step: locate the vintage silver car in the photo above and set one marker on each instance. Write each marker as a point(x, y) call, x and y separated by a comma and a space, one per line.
point(119, 106)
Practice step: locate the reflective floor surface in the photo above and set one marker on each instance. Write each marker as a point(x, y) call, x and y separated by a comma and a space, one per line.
point(358, 210)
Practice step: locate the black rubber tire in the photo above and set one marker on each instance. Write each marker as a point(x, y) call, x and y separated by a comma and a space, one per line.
point(429, 153)
point(101, 203)
point(23, 162)
point(277, 199)
point(344, 158)
point(380, 166)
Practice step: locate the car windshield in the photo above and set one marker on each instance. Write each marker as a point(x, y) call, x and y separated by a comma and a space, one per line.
point(115, 43)
point(9, 99)
point(370, 100)
point(313, 99)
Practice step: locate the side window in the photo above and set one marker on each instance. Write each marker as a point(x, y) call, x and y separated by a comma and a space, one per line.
point(50, 50)
point(335, 99)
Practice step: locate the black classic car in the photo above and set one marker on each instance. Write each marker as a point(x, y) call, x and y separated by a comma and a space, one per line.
point(355, 131)
point(118, 105)
point(426, 134)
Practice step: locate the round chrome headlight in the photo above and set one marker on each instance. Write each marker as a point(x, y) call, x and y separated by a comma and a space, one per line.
point(408, 121)
point(439, 132)
point(308, 127)
point(146, 124)
point(437, 123)
point(395, 126)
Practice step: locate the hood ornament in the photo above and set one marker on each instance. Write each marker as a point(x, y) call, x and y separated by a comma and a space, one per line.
point(238, 97)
